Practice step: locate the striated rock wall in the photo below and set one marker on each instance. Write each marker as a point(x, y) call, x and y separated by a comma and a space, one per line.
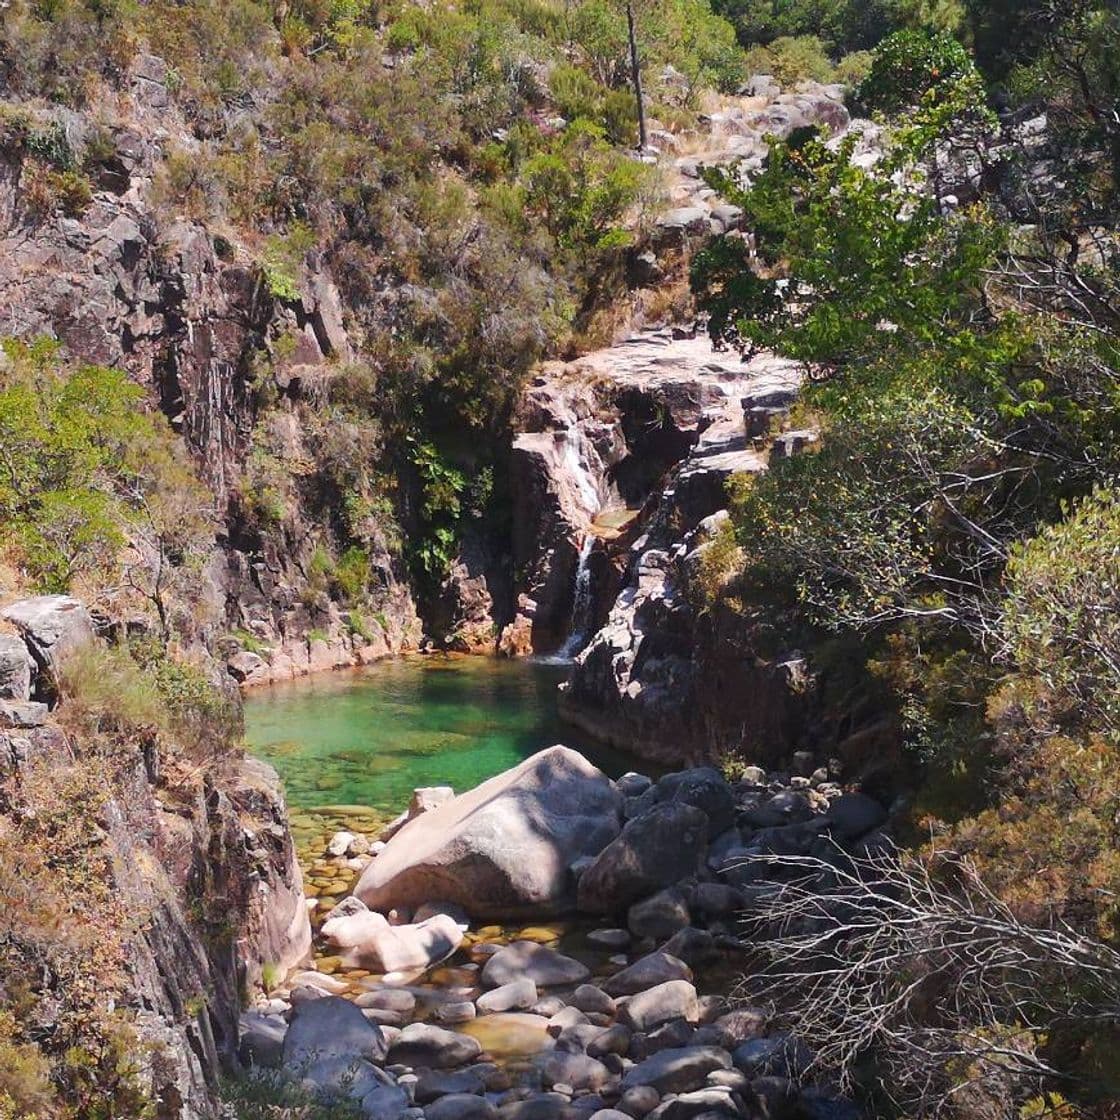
point(202, 864)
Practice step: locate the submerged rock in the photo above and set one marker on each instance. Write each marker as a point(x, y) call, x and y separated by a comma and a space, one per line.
point(506, 848)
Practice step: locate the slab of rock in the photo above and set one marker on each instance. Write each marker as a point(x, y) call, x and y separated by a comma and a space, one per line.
point(506, 848)
point(53, 626)
point(653, 851)
point(675, 999)
point(366, 940)
point(421, 1044)
point(677, 1071)
point(527, 960)
point(646, 972)
point(15, 669)
point(517, 995)
point(331, 1027)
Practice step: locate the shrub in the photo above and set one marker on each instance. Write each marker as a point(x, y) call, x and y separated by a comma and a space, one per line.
point(1061, 616)
point(792, 59)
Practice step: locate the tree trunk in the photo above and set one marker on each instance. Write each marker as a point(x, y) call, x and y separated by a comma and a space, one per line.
point(636, 76)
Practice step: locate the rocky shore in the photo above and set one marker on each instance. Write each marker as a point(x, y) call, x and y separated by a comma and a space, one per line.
point(555, 945)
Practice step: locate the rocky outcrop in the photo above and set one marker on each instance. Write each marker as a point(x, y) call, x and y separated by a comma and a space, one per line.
point(505, 849)
point(597, 440)
point(201, 858)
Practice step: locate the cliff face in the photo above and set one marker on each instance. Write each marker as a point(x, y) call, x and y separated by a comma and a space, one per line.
point(198, 887)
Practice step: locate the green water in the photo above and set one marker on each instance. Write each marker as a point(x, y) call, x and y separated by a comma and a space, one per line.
point(370, 736)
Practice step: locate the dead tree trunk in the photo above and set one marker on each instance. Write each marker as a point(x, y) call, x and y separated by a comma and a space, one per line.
point(636, 76)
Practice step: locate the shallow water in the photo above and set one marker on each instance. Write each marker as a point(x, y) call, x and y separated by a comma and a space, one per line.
point(368, 737)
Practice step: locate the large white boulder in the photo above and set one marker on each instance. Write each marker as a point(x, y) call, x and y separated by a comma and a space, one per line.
point(504, 849)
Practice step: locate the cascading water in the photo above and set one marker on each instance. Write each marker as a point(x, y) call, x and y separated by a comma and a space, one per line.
point(582, 602)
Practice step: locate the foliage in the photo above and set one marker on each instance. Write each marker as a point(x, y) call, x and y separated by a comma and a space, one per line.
point(911, 68)
point(1061, 616)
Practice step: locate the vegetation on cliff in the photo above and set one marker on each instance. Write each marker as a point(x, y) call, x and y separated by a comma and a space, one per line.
point(957, 532)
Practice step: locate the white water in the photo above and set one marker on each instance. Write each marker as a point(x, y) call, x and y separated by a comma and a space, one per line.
point(585, 486)
point(581, 602)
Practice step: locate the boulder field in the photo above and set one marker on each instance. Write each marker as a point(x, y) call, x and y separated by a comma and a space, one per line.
point(424, 1011)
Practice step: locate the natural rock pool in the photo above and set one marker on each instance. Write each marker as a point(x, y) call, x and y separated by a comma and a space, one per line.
point(369, 737)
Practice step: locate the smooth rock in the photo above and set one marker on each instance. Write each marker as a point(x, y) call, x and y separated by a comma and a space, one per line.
point(693, 946)
point(368, 940)
point(434, 1083)
point(528, 960)
point(588, 998)
point(646, 972)
point(851, 815)
point(675, 999)
point(577, 1070)
point(612, 1040)
point(517, 995)
point(460, 1106)
point(344, 1078)
point(639, 1100)
point(660, 915)
point(653, 851)
point(610, 938)
point(504, 849)
point(261, 1039)
point(455, 1011)
point(422, 1044)
point(541, 1106)
point(331, 1027)
point(52, 626)
point(677, 1071)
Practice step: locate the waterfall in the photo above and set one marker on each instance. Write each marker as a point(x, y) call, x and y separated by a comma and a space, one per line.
point(585, 487)
point(582, 602)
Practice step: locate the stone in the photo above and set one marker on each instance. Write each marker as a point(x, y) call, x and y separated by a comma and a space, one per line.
point(455, 1011)
point(711, 1102)
point(247, 667)
point(506, 848)
point(730, 1079)
point(716, 900)
point(331, 1027)
point(517, 995)
point(741, 1025)
point(367, 940)
point(430, 909)
point(660, 915)
point(15, 669)
point(610, 1114)
point(612, 1040)
point(567, 1017)
point(653, 851)
point(775, 1098)
point(778, 1053)
point(548, 1006)
point(22, 714)
point(52, 626)
point(693, 946)
point(851, 815)
point(320, 980)
point(435, 1083)
point(261, 1039)
point(387, 999)
point(632, 784)
point(577, 1038)
point(677, 1071)
point(609, 938)
point(675, 999)
point(588, 998)
point(704, 788)
point(639, 1100)
point(647, 971)
point(528, 960)
point(577, 1070)
point(460, 1106)
point(387, 1103)
point(340, 842)
point(669, 1036)
point(342, 1078)
point(422, 1044)
point(540, 1106)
